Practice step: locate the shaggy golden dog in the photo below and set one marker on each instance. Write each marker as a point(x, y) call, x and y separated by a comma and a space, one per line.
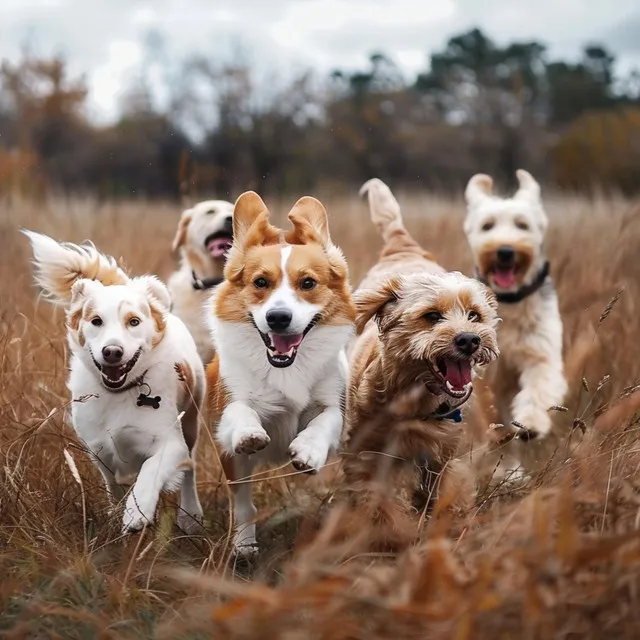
point(423, 334)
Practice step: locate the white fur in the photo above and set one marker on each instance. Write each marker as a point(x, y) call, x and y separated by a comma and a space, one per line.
point(123, 439)
point(294, 412)
point(190, 304)
point(285, 296)
point(530, 336)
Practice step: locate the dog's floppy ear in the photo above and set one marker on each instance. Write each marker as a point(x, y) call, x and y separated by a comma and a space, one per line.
point(529, 188)
point(156, 291)
point(310, 223)
point(81, 288)
point(478, 188)
point(183, 226)
point(159, 301)
point(372, 303)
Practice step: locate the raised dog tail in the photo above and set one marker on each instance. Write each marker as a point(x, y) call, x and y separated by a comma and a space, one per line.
point(59, 265)
point(384, 208)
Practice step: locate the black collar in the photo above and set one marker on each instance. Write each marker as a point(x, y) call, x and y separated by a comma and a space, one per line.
point(523, 292)
point(202, 284)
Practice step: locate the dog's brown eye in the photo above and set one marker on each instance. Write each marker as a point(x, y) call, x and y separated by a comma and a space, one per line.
point(474, 316)
point(487, 226)
point(522, 225)
point(433, 316)
point(260, 283)
point(308, 284)
point(96, 322)
point(134, 322)
point(211, 212)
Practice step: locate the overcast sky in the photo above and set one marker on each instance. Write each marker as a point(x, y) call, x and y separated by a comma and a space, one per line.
point(105, 38)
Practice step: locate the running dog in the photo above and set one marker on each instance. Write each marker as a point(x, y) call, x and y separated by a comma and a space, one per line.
point(506, 236)
point(204, 238)
point(280, 323)
point(423, 335)
point(136, 381)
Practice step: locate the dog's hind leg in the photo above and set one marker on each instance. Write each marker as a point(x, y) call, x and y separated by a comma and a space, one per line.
point(115, 490)
point(190, 516)
point(238, 471)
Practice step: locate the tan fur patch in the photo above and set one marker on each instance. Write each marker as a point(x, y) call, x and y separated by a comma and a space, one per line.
point(525, 255)
point(160, 325)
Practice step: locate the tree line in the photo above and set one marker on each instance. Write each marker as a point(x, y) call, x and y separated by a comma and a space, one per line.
point(478, 107)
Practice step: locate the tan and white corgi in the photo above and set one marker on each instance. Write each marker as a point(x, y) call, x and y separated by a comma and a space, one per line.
point(280, 323)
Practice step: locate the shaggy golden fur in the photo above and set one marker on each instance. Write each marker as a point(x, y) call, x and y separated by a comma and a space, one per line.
point(411, 317)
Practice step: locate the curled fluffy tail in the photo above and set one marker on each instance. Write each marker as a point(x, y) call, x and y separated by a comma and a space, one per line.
point(59, 265)
point(384, 208)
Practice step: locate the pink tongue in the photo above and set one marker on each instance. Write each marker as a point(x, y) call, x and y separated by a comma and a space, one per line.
point(505, 278)
point(218, 247)
point(284, 343)
point(458, 373)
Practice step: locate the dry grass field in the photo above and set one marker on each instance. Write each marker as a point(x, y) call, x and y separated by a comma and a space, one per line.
point(557, 558)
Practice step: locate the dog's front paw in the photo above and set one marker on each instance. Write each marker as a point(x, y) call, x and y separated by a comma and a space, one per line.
point(533, 425)
point(251, 440)
point(134, 520)
point(138, 512)
point(308, 453)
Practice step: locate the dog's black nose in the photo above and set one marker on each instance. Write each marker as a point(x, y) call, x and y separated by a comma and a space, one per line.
point(228, 223)
point(279, 319)
point(467, 342)
point(505, 253)
point(112, 354)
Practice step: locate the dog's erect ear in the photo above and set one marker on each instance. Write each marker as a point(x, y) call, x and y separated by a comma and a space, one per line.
point(248, 207)
point(310, 223)
point(529, 188)
point(373, 303)
point(478, 188)
point(183, 226)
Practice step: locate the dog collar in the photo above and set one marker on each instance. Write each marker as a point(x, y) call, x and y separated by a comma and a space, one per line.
point(524, 291)
point(202, 284)
point(455, 415)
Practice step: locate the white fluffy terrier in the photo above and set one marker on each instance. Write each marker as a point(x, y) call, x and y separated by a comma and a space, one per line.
point(136, 381)
point(506, 236)
point(204, 237)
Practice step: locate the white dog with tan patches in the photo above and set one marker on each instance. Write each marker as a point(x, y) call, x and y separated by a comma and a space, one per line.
point(506, 236)
point(204, 237)
point(136, 380)
point(280, 323)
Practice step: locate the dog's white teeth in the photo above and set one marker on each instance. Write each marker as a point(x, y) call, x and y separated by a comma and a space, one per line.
point(449, 386)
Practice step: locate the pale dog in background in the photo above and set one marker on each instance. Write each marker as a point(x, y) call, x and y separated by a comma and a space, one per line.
point(124, 344)
point(506, 236)
point(204, 236)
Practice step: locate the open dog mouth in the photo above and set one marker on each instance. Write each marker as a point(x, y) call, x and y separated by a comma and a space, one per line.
point(218, 244)
point(282, 349)
point(504, 277)
point(114, 376)
point(454, 376)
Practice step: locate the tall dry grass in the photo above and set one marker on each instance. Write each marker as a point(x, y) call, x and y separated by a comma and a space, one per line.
point(559, 558)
